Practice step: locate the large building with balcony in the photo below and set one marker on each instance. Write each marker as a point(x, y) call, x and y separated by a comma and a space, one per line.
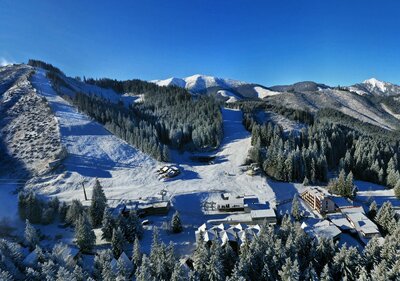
point(318, 200)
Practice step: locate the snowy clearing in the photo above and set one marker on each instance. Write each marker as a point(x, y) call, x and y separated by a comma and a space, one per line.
point(262, 92)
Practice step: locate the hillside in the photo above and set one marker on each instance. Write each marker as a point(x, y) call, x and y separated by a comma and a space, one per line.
point(30, 134)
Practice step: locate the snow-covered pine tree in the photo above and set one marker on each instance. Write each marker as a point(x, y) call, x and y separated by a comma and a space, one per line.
point(98, 204)
point(133, 227)
point(108, 224)
point(78, 274)
point(362, 275)
point(201, 257)
point(136, 254)
point(373, 209)
point(326, 274)
point(371, 253)
point(75, 210)
point(177, 274)
point(84, 235)
point(215, 266)
point(295, 211)
point(143, 273)
point(31, 235)
point(397, 189)
point(176, 224)
point(49, 270)
point(289, 271)
point(117, 242)
point(385, 217)
point(229, 259)
point(63, 274)
point(101, 260)
point(380, 272)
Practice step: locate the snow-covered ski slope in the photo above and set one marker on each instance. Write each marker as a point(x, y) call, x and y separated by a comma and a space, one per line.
point(127, 173)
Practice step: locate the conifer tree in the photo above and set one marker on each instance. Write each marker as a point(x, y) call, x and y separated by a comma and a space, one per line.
point(176, 225)
point(397, 190)
point(98, 204)
point(143, 273)
point(133, 227)
point(325, 274)
point(108, 224)
point(385, 217)
point(117, 242)
point(177, 274)
point(289, 271)
point(373, 209)
point(296, 213)
point(84, 235)
point(215, 267)
point(75, 211)
point(31, 236)
point(136, 254)
point(201, 257)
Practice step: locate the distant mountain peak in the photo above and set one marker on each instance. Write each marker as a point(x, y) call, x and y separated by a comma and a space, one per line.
point(199, 82)
point(375, 83)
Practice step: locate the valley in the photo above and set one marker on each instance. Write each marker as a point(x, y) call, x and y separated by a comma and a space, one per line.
point(250, 164)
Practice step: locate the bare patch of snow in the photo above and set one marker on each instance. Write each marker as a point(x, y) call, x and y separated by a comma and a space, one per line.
point(262, 92)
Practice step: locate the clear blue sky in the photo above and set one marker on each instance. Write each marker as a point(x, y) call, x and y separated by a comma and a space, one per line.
point(267, 42)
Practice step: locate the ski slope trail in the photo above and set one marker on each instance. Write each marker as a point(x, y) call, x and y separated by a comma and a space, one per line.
point(128, 174)
point(93, 152)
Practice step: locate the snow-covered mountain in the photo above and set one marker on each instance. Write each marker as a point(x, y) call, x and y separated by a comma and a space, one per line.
point(199, 83)
point(228, 89)
point(375, 87)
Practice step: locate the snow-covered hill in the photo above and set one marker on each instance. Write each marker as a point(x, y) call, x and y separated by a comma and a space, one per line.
point(29, 132)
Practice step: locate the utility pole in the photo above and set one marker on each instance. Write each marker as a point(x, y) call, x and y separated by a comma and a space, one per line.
point(84, 191)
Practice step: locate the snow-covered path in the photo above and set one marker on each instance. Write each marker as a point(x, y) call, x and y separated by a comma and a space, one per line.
point(127, 173)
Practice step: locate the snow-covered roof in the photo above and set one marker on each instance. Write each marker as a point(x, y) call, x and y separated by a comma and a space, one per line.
point(321, 229)
point(341, 202)
point(352, 210)
point(340, 221)
point(209, 235)
point(228, 233)
point(362, 223)
point(260, 214)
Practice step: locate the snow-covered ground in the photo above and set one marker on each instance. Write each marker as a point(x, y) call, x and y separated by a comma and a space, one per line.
point(126, 173)
point(369, 191)
point(263, 93)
